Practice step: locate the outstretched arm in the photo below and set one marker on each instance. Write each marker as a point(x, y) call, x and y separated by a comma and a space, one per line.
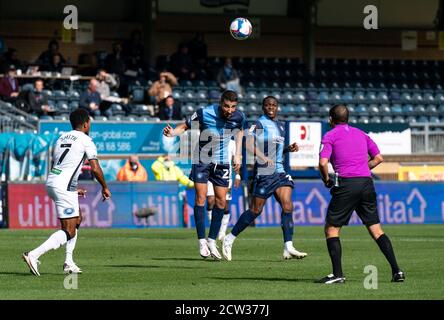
point(169, 131)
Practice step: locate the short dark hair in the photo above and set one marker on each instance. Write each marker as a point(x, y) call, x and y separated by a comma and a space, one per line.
point(269, 97)
point(339, 113)
point(229, 95)
point(78, 118)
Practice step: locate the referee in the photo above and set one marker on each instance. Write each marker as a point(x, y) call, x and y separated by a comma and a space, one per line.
point(348, 149)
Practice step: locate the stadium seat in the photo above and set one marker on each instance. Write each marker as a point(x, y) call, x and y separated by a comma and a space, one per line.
point(73, 105)
point(408, 109)
point(60, 118)
point(138, 95)
point(62, 107)
point(361, 110)
point(431, 109)
point(117, 109)
point(387, 119)
point(73, 96)
point(422, 119)
point(59, 95)
point(373, 109)
point(396, 109)
point(375, 119)
point(399, 119)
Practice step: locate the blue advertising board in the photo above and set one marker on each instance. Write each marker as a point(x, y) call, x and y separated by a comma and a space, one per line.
point(122, 138)
point(398, 203)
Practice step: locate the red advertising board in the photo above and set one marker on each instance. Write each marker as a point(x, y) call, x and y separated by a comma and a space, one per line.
point(30, 207)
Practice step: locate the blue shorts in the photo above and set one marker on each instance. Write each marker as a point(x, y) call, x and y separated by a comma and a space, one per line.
point(265, 186)
point(217, 174)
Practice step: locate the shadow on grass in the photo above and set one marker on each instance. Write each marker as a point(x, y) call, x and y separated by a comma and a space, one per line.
point(305, 280)
point(138, 266)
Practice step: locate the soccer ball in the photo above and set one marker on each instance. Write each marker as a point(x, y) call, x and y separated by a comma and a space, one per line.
point(241, 29)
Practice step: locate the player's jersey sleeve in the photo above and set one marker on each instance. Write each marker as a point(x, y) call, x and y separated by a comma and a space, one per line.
point(196, 116)
point(326, 147)
point(90, 149)
point(372, 147)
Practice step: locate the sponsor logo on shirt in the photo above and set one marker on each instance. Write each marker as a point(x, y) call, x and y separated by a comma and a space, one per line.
point(56, 171)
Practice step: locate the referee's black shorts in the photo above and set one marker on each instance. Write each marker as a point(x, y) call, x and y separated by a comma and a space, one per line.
point(353, 194)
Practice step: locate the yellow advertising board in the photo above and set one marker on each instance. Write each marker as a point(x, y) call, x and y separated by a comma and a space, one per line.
point(421, 173)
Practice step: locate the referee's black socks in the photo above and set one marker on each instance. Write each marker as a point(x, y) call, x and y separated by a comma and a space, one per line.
point(335, 251)
point(385, 245)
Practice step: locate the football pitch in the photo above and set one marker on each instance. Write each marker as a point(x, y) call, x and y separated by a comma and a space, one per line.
point(165, 264)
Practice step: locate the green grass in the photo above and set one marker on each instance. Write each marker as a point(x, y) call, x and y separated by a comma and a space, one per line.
point(165, 264)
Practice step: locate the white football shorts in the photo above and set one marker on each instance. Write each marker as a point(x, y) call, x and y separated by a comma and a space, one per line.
point(67, 202)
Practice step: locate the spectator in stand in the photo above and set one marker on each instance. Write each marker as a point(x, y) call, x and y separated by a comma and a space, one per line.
point(56, 64)
point(45, 58)
point(115, 62)
point(134, 52)
point(90, 100)
point(37, 100)
point(11, 58)
point(182, 63)
point(169, 109)
point(199, 54)
point(9, 85)
point(228, 77)
point(106, 83)
point(165, 169)
point(132, 171)
point(163, 87)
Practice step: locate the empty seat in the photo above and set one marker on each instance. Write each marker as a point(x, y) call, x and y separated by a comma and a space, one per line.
point(117, 109)
point(408, 109)
point(138, 95)
point(59, 95)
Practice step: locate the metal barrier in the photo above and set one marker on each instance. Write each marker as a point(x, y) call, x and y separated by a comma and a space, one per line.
point(16, 120)
point(427, 138)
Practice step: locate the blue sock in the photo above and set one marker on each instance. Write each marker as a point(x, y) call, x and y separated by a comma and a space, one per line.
point(287, 226)
point(199, 220)
point(244, 221)
point(216, 221)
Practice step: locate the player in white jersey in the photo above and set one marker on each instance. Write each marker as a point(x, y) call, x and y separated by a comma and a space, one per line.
point(210, 193)
point(71, 149)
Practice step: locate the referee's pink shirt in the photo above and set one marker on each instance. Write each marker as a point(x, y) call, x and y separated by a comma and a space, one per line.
point(348, 149)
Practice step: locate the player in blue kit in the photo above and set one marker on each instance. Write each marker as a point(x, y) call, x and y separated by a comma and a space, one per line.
point(266, 140)
point(217, 125)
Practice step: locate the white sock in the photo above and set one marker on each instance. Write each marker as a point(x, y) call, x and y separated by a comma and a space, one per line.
point(211, 242)
point(288, 245)
point(224, 224)
point(209, 214)
point(203, 241)
point(70, 245)
point(230, 237)
point(55, 241)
